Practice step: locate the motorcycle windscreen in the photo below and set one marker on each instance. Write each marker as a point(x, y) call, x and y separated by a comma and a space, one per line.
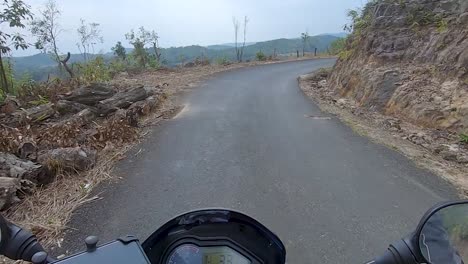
point(214, 236)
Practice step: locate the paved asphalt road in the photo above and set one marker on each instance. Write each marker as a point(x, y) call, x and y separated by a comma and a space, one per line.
point(243, 142)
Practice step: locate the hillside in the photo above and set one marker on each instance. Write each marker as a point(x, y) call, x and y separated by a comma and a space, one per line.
point(409, 59)
point(40, 65)
point(402, 80)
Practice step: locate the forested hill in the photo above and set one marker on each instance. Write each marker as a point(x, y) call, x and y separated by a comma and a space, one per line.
point(40, 65)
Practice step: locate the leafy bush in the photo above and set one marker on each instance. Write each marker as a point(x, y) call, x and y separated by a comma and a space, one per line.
point(116, 66)
point(464, 138)
point(337, 46)
point(223, 61)
point(153, 62)
point(442, 25)
point(345, 54)
point(94, 71)
point(421, 16)
point(260, 56)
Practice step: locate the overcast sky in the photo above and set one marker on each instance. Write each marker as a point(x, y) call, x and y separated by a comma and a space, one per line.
point(202, 22)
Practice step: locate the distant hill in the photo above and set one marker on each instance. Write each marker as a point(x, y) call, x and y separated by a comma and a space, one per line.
point(39, 66)
point(339, 35)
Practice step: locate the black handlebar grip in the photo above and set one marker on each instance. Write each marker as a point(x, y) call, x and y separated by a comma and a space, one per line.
point(398, 253)
point(22, 245)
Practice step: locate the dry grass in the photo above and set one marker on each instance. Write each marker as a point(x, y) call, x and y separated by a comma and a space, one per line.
point(48, 209)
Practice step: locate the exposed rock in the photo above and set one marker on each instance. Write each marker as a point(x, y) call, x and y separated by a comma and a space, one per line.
point(463, 159)
point(68, 159)
point(407, 64)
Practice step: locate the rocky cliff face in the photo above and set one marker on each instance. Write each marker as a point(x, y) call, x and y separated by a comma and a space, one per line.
point(409, 58)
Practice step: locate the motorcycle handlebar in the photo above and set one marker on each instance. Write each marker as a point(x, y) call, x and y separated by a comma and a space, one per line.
point(397, 253)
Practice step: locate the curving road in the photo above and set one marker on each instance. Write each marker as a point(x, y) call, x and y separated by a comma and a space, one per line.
point(243, 141)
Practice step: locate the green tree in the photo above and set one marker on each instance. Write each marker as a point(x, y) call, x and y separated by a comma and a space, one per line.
point(14, 15)
point(90, 35)
point(47, 29)
point(138, 41)
point(120, 51)
point(260, 56)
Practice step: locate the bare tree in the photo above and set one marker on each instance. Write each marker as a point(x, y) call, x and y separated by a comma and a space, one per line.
point(236, 25)
point(246, 20)
point(47, 29)
point(239, 50)
point(305, 39)
point(154, 40)
point(90, 35)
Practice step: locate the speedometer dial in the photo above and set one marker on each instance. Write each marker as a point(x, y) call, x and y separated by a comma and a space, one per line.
point(192, 254)
point(186, 254)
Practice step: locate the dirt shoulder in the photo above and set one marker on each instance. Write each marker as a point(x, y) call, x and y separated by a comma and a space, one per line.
point(441, 152)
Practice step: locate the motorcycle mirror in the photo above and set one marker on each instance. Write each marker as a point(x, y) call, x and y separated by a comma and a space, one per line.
point(17, 243)
point(4, 233)
point(442, 234)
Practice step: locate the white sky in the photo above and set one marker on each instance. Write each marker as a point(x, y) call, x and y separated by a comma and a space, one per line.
point(202, 22)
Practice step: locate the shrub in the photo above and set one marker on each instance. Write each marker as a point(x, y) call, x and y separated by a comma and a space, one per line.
point(260, 56)
point(337, 46)
point(345, 54)
point(153, 62)
point(442, 25)
point(223, 61)
point(464, 138)
point(116, 66)
point(94, 71)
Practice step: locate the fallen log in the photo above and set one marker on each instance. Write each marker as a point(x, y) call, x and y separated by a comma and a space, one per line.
point(28, 150)
point(91, 94)
point(123, 100)
point(14, 167)
point(65, 107)
point(145, 107)
point(68, 159)
point(9, 105)
point(8, 191)
point(30, 115)
point(12, 190)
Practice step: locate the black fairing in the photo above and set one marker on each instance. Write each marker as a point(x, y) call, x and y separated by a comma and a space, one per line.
point(216, 228)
